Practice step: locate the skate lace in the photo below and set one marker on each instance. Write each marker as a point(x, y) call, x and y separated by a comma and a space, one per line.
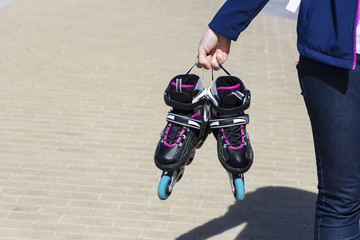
point(234, 136)
point(173, 134)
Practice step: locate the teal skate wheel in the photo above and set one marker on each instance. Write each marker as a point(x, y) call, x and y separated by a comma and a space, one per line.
point(163, 188)
point(239, 188)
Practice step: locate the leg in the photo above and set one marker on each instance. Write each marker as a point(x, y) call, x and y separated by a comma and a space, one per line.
point(332, 98)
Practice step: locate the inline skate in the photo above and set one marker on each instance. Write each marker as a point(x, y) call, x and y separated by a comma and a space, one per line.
point(229, 98)
point(186, 129)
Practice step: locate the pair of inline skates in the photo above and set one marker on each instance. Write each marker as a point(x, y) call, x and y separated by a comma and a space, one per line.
point(195, 113)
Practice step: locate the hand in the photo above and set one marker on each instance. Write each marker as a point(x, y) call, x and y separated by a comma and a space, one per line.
point(213, 50)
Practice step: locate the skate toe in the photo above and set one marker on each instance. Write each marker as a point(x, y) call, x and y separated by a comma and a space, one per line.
point(166, 155)
point(237, 159)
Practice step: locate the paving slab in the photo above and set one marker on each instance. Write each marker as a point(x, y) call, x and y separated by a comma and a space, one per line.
point(81, 110)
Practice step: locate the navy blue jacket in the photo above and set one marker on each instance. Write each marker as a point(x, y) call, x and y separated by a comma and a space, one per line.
point(326, 28)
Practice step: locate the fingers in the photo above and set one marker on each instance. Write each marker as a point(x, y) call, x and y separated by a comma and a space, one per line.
point(221, 56)
point(213, 50)
point(211, 61)
point(203, 59)
point(206, 49)
point(218, 58)
point(214, 61)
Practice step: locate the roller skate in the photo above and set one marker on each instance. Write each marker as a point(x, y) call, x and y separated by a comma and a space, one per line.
point(186, 130)
point(229, 98)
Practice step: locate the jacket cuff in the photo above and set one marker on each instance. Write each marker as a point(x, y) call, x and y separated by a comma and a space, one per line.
point(224, 29)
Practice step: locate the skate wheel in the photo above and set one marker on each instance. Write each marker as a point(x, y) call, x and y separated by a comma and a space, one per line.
point(163, 188)
point(189, 162)
point(199, 146)
point(191, 158)
point(239, 192)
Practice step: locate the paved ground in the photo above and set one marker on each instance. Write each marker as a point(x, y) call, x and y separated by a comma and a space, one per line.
point(81, 111)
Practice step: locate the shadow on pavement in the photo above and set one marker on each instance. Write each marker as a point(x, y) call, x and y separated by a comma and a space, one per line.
point(269, 213)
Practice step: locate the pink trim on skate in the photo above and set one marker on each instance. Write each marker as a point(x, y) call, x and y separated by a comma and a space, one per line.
point(196, 115)
point(182, 85)
point(228, 143)
point(166, 132)
point(230, 87)
point(177, 140)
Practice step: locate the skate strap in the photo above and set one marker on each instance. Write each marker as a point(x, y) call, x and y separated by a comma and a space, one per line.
point(184, 120)
point(188, 71)
point(221, 66)
point(229, 122)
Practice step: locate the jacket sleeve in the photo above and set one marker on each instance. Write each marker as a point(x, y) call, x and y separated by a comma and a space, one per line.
point(235, 15)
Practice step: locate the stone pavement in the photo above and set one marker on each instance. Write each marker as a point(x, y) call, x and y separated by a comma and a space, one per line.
point(81, 110)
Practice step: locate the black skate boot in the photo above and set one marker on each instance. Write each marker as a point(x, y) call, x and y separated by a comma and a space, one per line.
point(229, 99)
point(186, 130)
